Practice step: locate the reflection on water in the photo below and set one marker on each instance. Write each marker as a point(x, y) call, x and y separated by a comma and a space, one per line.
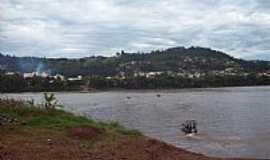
point(232, 122)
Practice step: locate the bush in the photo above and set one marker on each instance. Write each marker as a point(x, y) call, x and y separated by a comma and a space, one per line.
point(51, 103)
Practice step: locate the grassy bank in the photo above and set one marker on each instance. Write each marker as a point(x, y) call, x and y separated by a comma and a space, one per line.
point(29, 116)
point(36, 133)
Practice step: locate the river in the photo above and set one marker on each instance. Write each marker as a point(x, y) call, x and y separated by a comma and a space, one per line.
point(232, 122)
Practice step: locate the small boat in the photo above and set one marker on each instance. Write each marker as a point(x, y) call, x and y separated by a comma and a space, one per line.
point(189, 127)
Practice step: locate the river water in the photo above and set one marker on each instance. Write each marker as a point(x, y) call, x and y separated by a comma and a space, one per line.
point(232, 122)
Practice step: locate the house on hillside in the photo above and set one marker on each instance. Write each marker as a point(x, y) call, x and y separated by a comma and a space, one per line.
point(78, 78)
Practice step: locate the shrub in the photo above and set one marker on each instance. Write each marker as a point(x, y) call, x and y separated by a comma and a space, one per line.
point(51, 103)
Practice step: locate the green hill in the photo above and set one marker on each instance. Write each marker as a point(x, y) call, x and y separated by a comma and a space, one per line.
point(178, 59)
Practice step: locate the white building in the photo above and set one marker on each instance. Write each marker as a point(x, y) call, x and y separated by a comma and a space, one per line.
point(43, 74)
point(59, 76)
point(32, 74)
point(29, 75)
point(78, 78)
point(10, 73)
point(139, 74)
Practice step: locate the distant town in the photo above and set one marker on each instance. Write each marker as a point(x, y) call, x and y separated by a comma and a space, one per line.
point(122, 75)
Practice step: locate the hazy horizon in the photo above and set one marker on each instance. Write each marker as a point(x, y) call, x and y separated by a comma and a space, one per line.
point(74, 29)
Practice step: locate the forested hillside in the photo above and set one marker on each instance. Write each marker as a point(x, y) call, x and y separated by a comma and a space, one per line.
point(179, 59)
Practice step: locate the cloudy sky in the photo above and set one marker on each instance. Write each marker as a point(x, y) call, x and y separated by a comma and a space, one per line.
point(79, 28)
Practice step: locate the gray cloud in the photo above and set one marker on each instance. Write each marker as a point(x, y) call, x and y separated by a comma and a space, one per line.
point(65, 28)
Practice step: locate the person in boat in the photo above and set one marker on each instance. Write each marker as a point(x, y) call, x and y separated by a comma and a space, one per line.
point(190, 126)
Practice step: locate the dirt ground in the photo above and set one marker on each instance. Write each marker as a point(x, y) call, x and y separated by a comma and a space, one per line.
point(86, 144)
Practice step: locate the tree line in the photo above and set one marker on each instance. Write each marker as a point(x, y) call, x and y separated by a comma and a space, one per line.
point(16, 83)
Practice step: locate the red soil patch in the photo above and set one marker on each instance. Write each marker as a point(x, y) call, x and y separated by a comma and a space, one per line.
point(86, 132)
point(143, 148)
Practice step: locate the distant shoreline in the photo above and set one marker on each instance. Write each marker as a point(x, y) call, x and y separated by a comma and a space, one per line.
point(124, 90)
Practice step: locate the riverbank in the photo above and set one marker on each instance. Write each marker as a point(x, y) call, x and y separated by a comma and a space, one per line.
point(38, 134)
